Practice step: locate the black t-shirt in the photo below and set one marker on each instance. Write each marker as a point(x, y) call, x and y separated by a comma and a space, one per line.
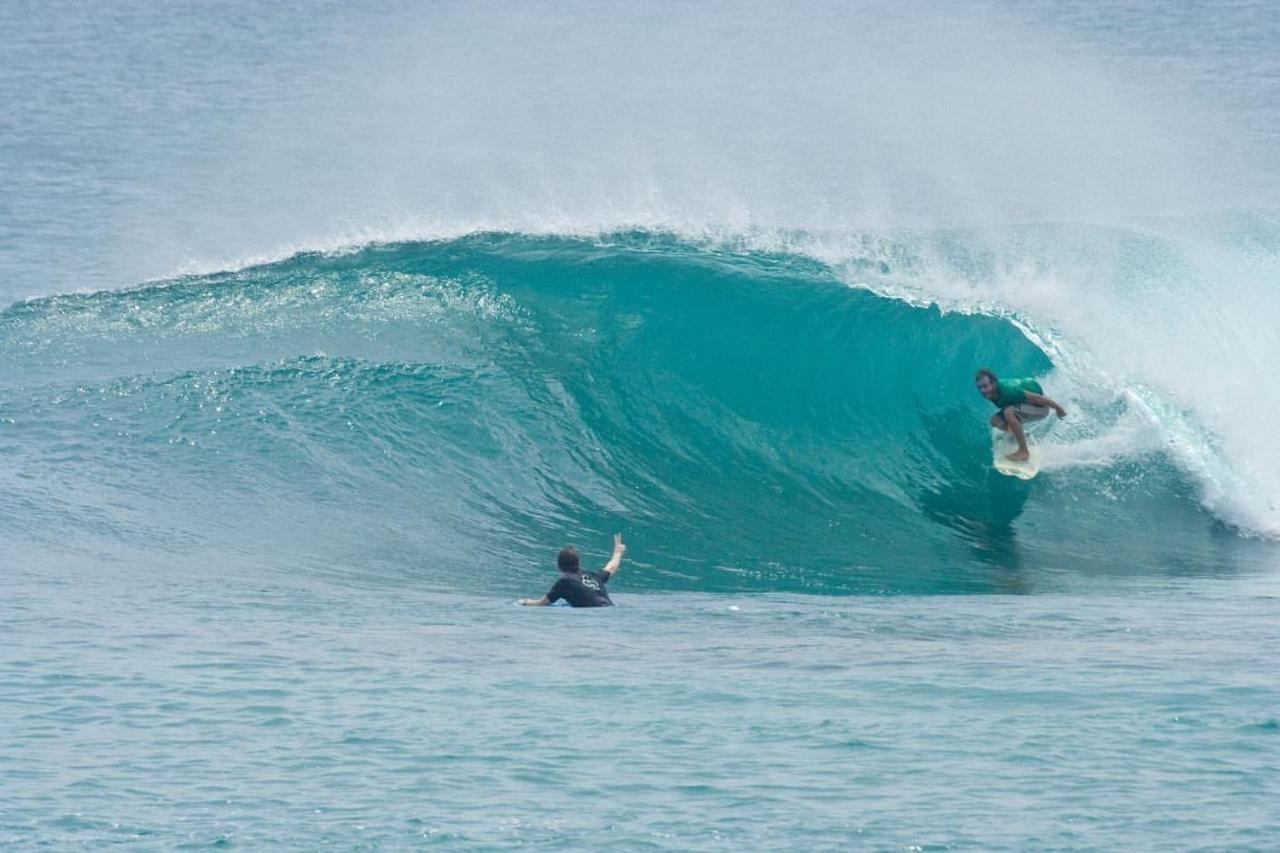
point(581, 589)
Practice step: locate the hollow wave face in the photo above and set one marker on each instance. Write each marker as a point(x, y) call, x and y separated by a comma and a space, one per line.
point(718, 275)
point(456, 410)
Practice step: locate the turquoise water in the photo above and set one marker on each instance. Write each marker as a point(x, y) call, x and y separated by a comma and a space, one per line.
point(419, 410)
point(212, 707)
point(322, 329)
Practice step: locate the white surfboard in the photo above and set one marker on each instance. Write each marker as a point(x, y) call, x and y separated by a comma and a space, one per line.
point(1002, 445)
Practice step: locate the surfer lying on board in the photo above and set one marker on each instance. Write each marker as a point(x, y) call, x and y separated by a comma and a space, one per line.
point(1018, 400)
point(579, 588)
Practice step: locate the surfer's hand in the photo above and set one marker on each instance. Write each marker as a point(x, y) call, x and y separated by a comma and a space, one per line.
point(1062, 413)
point(618, 548)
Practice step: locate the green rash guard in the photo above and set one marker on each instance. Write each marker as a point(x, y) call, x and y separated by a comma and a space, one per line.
point(1011, 392)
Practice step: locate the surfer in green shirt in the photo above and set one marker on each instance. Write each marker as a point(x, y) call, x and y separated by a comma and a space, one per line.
point(1018, 400)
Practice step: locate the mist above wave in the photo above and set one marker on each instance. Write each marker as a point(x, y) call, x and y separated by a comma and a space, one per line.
point(581, 118)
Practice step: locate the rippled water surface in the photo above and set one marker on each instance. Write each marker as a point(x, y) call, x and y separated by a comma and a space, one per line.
point(254, 710)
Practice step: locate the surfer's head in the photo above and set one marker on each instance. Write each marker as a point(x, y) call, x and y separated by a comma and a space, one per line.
point(987, 383)
point(568, 559)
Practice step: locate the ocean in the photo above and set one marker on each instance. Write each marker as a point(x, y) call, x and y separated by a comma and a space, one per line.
point(323, 327)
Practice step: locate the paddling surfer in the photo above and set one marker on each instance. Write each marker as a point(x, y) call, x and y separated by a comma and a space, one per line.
point(579, 588)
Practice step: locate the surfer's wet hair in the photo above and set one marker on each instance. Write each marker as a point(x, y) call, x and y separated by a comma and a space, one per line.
point(568, 559)
point(982, 371)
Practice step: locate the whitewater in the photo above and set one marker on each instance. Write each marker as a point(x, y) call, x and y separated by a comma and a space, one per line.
point(323, 328)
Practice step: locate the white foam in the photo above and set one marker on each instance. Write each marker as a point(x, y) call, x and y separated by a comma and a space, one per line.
point(1178, 321)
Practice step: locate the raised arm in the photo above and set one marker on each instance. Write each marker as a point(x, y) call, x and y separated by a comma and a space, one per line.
point(618, 550)
point(1041, 400)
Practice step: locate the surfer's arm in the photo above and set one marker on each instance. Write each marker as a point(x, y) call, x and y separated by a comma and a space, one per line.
point(618, 550)
point(1041, 400)
point(535, 602)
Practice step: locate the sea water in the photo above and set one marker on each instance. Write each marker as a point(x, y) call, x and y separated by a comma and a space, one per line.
point(325, 327)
